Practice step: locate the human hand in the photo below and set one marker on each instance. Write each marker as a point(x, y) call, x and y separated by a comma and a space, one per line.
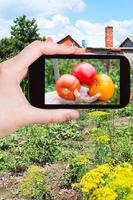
point(81, 96)
point(15, 110)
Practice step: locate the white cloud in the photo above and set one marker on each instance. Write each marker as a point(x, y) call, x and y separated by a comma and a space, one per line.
point(43, 8)
point(94, 33)
point(49, 7)
point(59, 26)
point(56, 21)
point(122, 28)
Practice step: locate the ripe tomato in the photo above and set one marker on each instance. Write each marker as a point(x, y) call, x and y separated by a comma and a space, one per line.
point(104, 85)
point(66, 85)
point(85, 72)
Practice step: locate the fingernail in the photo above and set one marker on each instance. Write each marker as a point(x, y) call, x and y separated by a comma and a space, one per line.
point(73, 115)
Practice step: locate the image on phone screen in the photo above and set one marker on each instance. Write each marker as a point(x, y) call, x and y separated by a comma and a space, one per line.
point(67, 79)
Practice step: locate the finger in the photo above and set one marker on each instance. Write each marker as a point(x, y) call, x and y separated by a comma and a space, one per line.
point(90, 99)
point(41, 116)
point(77, 96)
point(55, 48)
point(63, 101)
point(84, 89)
point(37, 48)
point(80, 51)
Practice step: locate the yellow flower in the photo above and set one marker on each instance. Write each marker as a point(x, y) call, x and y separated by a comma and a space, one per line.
point(106, 182)
point(100, 135)
point(34, 183)
point(75, 185)
point(90, 180)
point(81, 159)
point(93, 178)
point(104, 168)
point(97, 114)
point(121, 177)
point(103, 193)
point(34, 169)
point(102, 139)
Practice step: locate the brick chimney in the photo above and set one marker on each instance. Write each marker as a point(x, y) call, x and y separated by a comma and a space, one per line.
point(109, 36)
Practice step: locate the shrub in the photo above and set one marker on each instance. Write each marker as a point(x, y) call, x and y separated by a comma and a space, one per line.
point(75, 169)
point(34, 185)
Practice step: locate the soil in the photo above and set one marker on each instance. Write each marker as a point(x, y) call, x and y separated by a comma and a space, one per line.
point(55, 172)
point(8, 186)
point(123, 121)
point(9, 182)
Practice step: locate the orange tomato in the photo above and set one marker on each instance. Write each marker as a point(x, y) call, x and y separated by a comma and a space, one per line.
point(104, 85)
point(66, 85)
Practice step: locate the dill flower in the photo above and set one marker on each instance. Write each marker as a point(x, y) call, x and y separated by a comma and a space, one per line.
point(108, 182)
point(103, 193)
point(100, 135)
point(104, 168)
point(34, 183)
point(90, 181)
point(34, 169)
point(93, 178)
point(81, 159)
point(121, 177)
point(102, 139)
point(98, 114)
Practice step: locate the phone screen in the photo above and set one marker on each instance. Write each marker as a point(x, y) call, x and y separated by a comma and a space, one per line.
point(93, 76)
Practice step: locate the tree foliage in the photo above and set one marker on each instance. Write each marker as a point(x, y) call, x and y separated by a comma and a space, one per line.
point(23, 32)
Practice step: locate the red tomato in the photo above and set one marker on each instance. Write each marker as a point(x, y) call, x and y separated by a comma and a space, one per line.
point(85, 72)
point(66, 85)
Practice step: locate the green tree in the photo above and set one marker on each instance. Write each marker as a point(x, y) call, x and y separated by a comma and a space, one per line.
point(7, 48)
point(24, 31)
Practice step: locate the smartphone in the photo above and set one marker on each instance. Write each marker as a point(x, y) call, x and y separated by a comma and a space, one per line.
point(108, 75)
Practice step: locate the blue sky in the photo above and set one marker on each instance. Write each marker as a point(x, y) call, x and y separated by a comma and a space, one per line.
point(80, 18)
point(105, 10)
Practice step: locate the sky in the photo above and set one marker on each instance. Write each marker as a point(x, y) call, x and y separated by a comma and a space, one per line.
point(82, 19)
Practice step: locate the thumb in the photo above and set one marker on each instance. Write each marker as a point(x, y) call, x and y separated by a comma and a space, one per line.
point(42, 116)
point(77, 96)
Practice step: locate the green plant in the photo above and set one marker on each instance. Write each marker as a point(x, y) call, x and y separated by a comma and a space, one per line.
point(122, 144)
point(62, 131)
point(75, 169)
point(101, 139)
point(32, 144)
point(34, 185)
point(125, 112)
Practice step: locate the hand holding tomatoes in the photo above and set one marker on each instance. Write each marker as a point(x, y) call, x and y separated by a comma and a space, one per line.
point(68, 88)
point(99, 86)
